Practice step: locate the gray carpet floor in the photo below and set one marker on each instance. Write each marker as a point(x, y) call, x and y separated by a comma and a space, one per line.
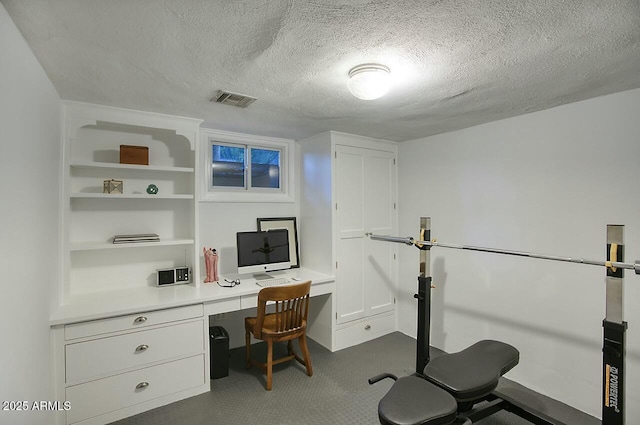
point(337, 393)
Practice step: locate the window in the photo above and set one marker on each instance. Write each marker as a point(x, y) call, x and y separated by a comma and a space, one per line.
point(230, 164)
point(247, 168)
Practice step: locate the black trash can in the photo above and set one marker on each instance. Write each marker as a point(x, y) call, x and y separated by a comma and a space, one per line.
point(218, 352)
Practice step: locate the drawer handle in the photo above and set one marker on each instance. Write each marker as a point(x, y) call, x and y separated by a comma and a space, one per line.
point(140, 319)
point(366, 328)
point(142, 385)
point(141, 348)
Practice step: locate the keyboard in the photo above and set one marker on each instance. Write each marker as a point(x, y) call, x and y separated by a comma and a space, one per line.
point(272, 282)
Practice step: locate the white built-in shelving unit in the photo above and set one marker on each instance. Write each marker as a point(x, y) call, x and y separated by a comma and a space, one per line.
point(91, 143)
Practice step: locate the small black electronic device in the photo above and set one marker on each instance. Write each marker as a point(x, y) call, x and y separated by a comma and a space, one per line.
point(174, 276)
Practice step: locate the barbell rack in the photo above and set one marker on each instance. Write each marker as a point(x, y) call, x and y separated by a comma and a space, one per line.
point(613, 349)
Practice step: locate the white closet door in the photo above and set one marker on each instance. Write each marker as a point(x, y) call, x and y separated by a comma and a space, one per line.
point(350, 208)
point(379, 220)
point(365, 182)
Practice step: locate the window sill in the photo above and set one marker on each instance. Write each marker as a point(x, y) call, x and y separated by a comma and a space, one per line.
point(246, 197)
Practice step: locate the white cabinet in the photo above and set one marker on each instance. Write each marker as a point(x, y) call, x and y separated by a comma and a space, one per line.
point(91, 144)
point(365, 195)
point(119, 366)
point(348, 192)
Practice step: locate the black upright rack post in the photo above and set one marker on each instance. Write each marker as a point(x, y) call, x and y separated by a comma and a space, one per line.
point(424, 299)
point(613, 345)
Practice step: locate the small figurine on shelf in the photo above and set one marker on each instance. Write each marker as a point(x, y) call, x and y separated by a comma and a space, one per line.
point(211, 264)
point(152, 189)
point(112, 186)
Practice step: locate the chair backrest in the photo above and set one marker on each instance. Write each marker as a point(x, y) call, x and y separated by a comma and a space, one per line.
point(291, 307)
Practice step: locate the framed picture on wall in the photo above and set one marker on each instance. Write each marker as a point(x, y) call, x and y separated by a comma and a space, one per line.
point(288, 223)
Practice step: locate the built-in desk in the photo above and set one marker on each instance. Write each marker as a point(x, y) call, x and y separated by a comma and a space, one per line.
point(119, 353)
point(216, 299)
point(245, 295)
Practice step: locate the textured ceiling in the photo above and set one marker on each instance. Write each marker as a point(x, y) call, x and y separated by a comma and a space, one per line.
point(454, 63)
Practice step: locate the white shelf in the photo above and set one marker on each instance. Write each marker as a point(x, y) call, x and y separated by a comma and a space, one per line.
point(92, 263)
point(128, 196)
point(114, 166)
point(89, 246)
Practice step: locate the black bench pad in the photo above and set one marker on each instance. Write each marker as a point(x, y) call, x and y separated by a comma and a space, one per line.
point(414, 401)
point(474, 372)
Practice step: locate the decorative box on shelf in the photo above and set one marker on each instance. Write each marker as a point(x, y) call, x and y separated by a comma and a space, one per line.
point(112, 186)
point(138, 155)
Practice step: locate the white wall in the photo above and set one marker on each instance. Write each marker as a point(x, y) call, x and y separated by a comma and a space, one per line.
point(219, 222)
point(547, 182)
point(29, 211)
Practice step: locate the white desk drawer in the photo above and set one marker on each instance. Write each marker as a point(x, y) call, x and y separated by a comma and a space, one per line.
point(105, 395)
point(248, 301)
point(222, 306)
point(90, 359)
point(321, 288)
point(132, 321)
point(251, 301)
point(364, 330)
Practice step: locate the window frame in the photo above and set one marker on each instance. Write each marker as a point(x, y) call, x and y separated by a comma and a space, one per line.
point(210, 193)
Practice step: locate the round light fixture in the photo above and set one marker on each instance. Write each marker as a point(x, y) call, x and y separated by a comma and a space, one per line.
point(369, 81)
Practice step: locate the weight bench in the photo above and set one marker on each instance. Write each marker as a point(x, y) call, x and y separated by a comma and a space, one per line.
point(452, 384)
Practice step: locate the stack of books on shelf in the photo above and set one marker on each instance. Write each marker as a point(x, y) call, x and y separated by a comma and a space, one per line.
point(146, 237)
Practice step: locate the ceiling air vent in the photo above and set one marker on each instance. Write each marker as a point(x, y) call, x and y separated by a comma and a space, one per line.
point(233, 99)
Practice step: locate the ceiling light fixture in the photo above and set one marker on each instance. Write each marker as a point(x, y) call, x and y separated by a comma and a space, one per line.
point(369, 81)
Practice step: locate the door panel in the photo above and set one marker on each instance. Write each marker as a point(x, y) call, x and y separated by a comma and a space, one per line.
point(380, 284)
point(350, 279)
point(349, 193)
point(379, 220)
point(379, 185)
point(350, 244)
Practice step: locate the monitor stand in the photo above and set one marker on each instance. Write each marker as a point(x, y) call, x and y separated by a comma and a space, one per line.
point(262, 276)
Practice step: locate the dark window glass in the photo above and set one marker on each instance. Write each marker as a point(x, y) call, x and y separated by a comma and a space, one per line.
point(265, 168)
point(228, 166)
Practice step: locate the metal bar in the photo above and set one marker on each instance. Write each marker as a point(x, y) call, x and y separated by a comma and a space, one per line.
point(407, 240)
point(411, 241)
point(485, 410)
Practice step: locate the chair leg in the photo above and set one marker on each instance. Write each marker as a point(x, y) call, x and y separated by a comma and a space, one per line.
point(269, 363)
point(247, 349)
point(305, 354)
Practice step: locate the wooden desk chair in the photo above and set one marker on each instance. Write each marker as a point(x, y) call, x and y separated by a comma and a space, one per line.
point(289, 321)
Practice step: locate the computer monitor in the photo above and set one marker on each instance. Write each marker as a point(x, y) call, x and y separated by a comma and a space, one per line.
point(260, 252)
